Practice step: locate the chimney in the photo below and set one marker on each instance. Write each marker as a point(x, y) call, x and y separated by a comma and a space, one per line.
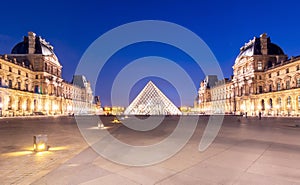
point(31, 42)
point(264, 44)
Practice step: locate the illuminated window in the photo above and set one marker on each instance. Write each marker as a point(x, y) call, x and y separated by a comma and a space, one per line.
point(278, 86)
point(279, 102)
point(289, 100)
point(287, 84)
point(259, 65)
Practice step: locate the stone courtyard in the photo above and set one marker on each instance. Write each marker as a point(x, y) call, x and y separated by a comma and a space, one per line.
point(246, 151)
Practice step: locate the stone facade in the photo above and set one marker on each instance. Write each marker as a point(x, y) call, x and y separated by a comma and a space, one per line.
point(264, 80)
point(31, 82)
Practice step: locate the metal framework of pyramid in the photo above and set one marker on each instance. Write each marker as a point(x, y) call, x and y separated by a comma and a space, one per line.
point(151, 101)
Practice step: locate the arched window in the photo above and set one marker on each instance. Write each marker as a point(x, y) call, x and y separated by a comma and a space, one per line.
point(271, 103)
point(279, 102)
point(289, 100)
point(262, 104)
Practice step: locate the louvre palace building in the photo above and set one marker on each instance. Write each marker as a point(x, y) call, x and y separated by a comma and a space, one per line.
point(31, 82)
point(265, 80)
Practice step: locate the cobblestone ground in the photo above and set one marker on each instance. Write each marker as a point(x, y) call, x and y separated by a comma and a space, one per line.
point(246, 151)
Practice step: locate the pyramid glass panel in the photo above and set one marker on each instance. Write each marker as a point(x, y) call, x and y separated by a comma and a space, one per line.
point(151, 101)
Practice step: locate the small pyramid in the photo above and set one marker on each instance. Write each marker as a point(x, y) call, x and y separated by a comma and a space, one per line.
point(151, 101)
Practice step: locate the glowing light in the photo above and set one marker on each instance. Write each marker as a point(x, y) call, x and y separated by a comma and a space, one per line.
point(16, 154)
point(40, 143)
point(24, 106)
point(243, 107)
point(1, 105)
point(55, 107)
point(69, 107)
point(115, 120)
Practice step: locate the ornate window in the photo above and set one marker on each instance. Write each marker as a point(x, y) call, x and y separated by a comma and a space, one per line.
point(259, 65)
point(279, 102)
point(9, 83)
point(287, 84)
point(298, 82)
point(289, 100)
point(260, 89)
point(278, 86)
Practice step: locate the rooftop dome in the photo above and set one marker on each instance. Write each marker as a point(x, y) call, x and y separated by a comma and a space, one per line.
point(33, 44)
point(254, 47)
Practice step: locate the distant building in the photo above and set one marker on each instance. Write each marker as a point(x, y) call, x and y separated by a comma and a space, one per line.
point(264, 80)
point(31, 82)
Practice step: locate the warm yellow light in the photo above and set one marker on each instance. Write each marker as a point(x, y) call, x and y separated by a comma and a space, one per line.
point(115, 120)
point(243, 107)
point(55, 107)
point(41, 146)
point(69, 108)
point(24, 106)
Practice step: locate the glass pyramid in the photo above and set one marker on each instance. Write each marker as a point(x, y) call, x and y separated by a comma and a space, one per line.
point(151, 101)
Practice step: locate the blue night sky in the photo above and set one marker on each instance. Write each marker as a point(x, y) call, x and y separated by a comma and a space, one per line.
point(224, 25)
